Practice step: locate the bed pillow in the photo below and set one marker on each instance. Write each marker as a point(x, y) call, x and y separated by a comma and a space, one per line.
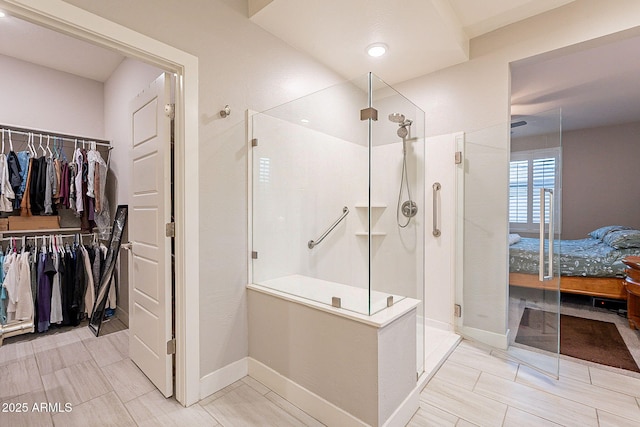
point(623, 239)
point(602, 231)
point(513, 238)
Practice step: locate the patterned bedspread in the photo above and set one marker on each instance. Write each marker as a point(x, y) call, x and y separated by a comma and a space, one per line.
point(584, 257)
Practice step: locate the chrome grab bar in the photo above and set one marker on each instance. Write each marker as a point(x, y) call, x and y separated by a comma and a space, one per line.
point(543, 195)
point(436, 186)
point(314, 243)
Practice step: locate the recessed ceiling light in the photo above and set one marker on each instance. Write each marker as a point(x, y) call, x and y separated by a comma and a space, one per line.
point(305, 121)
point(377, 49)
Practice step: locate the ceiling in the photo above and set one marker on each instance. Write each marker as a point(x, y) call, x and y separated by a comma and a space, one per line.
point(38, 45)
point(593, 87)
point(422, 35)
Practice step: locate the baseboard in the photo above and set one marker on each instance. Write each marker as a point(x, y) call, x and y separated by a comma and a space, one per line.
point(217, 380)
point(122, 315)
point(403, 414)
point(431, 323)
point(500, 341)
point(314, 405)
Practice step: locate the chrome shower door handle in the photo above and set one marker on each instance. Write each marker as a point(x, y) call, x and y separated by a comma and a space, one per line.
point(543, 201)
point(436, 187)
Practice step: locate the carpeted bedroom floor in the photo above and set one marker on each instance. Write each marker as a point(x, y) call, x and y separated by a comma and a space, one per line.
point(578, 306)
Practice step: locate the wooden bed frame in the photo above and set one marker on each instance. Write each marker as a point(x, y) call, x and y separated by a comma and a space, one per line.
point(604, 287)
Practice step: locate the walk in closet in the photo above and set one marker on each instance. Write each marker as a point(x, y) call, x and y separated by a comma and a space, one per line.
point(54, 218)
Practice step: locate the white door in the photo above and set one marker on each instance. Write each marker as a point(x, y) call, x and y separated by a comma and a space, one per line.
point(150, 318)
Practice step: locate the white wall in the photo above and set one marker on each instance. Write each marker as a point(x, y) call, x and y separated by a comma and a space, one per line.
point(41, 98)
point(474, 97)
point(247, 68)
point(128, 80)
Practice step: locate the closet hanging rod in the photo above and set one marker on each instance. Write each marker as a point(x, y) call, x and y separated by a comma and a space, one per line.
point(39, 236)
point(64, 137)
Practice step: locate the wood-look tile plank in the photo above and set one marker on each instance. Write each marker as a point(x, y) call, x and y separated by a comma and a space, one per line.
point(587, 394)
point(575, 370)
point(463, 403)
point(23, 413)
point(15, 351)
point(465, 423)
point(256, 385)
point(535, 401)
point(105, 410)
point(293, 410)
point(53, 340)
point(518, 418)
point(458, 374)
point(153, 409)
point(607, 419)
point(56, 358)
point(76, 384)
point(127, 380)
point(18, 378)
point(428, 415)
point(243, 406)
point(103, 350)
point(616, 382)
point(120, 341)
point(473, 358)
point(220, 393)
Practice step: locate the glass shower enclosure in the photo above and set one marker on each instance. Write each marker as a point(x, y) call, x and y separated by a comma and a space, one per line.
point(337, 198)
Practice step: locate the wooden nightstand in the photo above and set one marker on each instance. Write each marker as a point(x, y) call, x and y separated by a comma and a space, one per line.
point(632, 285)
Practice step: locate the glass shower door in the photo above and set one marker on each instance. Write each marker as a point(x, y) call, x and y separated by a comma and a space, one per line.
point(534, 240)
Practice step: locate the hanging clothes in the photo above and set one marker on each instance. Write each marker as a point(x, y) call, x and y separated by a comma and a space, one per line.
point(38, 185)
point(69, 311)
point(90, 291)
point(25, 205)
point(15, 180)
point(3, 293)
point(6, 191)
point(45, 266)
point(23, 159)
point(18, 284)
point(56, 290)
point(78, 181)
point(50, 188)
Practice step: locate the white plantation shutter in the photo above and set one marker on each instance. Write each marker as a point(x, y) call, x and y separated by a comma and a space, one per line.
point(518, 191)
point(529, 171)
point(544, 176)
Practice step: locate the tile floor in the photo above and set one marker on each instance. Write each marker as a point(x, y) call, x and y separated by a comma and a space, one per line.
point(475, 386)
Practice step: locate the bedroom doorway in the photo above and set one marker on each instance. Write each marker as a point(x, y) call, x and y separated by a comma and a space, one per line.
point(535, 196)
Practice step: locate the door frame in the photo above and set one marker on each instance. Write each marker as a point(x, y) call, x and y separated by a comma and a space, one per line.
point(79, 23)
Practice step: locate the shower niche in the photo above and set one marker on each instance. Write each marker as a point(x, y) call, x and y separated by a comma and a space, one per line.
point(337, 241)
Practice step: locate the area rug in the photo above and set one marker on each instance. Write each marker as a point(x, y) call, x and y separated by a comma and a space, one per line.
point(585, 339)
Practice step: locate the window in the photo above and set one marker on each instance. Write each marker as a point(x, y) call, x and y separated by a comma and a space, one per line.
point(528, 172)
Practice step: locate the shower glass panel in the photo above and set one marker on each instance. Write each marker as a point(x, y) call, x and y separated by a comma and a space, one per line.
point(326, 173)
point(397, 203)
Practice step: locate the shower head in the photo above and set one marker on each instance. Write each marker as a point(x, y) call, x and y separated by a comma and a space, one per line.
point(396, 117)
point(403, 131)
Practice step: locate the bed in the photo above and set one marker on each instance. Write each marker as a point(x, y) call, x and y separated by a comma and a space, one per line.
point(591, 266)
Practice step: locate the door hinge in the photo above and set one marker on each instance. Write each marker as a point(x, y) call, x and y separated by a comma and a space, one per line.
point(458, 157)
point(457, 310)
point(171, 346)
point(254, 142)
point(254, 255)
point(170, 110)
point(170, 230)
point(369, 114)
